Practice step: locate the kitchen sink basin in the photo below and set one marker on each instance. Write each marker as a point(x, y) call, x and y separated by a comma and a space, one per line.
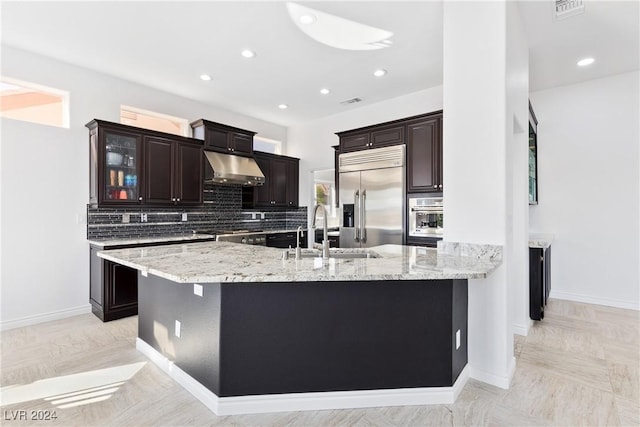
point(333, 253)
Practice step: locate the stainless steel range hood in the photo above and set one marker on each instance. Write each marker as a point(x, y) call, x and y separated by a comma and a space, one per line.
point(232, 169)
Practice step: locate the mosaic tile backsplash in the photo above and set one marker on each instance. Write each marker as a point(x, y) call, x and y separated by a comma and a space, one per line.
point(222, 210)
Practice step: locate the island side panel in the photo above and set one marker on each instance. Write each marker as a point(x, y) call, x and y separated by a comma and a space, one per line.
point(335, 336)
point(460, 304)
point(196, 351)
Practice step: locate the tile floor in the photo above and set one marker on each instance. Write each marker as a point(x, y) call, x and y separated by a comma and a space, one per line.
point(580, 366)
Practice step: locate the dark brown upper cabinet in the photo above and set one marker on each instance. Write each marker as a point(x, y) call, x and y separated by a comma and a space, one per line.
point(371, 137)
point(280, 188)
point(173, 171)
point(223, 138)
point(424, 154)
point(133, 166)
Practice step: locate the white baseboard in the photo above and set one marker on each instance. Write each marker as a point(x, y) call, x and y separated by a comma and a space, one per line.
point(502, 381)
point(520, 329)
point(610, 302)
point(304, 401)
point(47, 317)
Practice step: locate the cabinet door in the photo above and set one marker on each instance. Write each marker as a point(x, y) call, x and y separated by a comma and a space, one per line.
point(216, 139)
point(262, 194)
point(188, 173)
point(241, 142)
point(158, 169)
point(354, 142)
point(292, 182)
point(119, 159)
point(384, 137)
point(422, 156)
point(278, 169)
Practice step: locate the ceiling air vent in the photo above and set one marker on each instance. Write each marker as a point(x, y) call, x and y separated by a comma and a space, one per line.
point(568, 8)
point(351, 101)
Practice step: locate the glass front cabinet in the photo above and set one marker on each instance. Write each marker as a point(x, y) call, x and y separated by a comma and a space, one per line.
point(116, 156)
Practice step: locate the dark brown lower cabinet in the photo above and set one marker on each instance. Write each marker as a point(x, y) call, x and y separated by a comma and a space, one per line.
point(113, 288)
point(539, 281)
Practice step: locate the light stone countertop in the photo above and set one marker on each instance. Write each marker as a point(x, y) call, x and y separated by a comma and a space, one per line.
point(174, 238)
point(148, 240)
point(540, 240)
point(213, 262)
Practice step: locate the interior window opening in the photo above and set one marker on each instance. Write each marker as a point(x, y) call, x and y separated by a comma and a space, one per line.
point(152, 120)
point(267, 145)
point(31, 102)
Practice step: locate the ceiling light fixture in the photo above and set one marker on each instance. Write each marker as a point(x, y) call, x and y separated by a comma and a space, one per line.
point(248, 53)
point(307, 19)
point(336, 31)
point(379, 73)
point(325, 91)
point(586, 61)
point(283, 106)
point(205, 77)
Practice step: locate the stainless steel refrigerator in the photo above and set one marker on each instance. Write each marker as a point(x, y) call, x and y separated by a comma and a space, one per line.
point(372, 189)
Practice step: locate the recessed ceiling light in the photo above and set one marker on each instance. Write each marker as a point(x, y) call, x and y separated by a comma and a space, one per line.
point(248, 53)
point(379, 73)
point(586, 61)
point(325, 91)
point(307, 19)
point(205, 77)
point(283, 106)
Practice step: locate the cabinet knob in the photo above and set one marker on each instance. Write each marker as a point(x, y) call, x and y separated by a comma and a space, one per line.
point(140, 198)
point(435, 185)
point(440, 186)
point(173, 200)
point(178, 199)
point(229, 148)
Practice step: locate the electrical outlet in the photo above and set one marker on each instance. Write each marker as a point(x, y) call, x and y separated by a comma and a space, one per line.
point(458, 339)
point(126, 218)
point(184, 216)
point(178, 325)
point(197, 289)
point(262, 215)
point(81, 219)
point(253, 215)
point(143, 217)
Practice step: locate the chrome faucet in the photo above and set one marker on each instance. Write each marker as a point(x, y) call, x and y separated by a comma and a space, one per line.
point(325, 238)
point(299, 233)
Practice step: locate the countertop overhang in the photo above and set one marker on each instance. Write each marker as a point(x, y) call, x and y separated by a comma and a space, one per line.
point(223, 262)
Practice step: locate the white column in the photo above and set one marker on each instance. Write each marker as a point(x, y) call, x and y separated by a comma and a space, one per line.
point(479, 122)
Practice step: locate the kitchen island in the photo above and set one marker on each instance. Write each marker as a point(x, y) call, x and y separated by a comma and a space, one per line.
point(245, 330)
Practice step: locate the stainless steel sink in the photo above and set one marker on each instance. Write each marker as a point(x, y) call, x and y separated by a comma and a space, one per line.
point(333, 253)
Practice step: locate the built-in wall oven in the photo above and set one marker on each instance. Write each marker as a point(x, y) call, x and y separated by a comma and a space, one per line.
point(425, 220)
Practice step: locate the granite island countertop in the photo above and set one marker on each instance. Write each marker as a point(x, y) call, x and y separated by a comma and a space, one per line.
point(221, 262)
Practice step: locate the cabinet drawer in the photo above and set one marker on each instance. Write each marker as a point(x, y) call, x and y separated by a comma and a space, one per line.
point(385, 137)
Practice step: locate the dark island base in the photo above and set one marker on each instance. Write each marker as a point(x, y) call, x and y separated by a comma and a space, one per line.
point(242, 339)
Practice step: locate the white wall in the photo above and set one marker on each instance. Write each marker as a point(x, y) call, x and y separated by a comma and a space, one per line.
point(588, 180)
point(312, 141)
point(485, 103)
point(44, 176)
point(517, 190)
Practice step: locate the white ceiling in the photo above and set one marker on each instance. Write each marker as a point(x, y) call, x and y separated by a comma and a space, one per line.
point(167, 45)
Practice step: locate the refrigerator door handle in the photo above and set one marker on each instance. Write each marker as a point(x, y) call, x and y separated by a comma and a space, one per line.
point(363, 218)
point(356, 219)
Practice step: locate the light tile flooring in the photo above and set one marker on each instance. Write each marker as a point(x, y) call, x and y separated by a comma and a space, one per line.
point(580, 366)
